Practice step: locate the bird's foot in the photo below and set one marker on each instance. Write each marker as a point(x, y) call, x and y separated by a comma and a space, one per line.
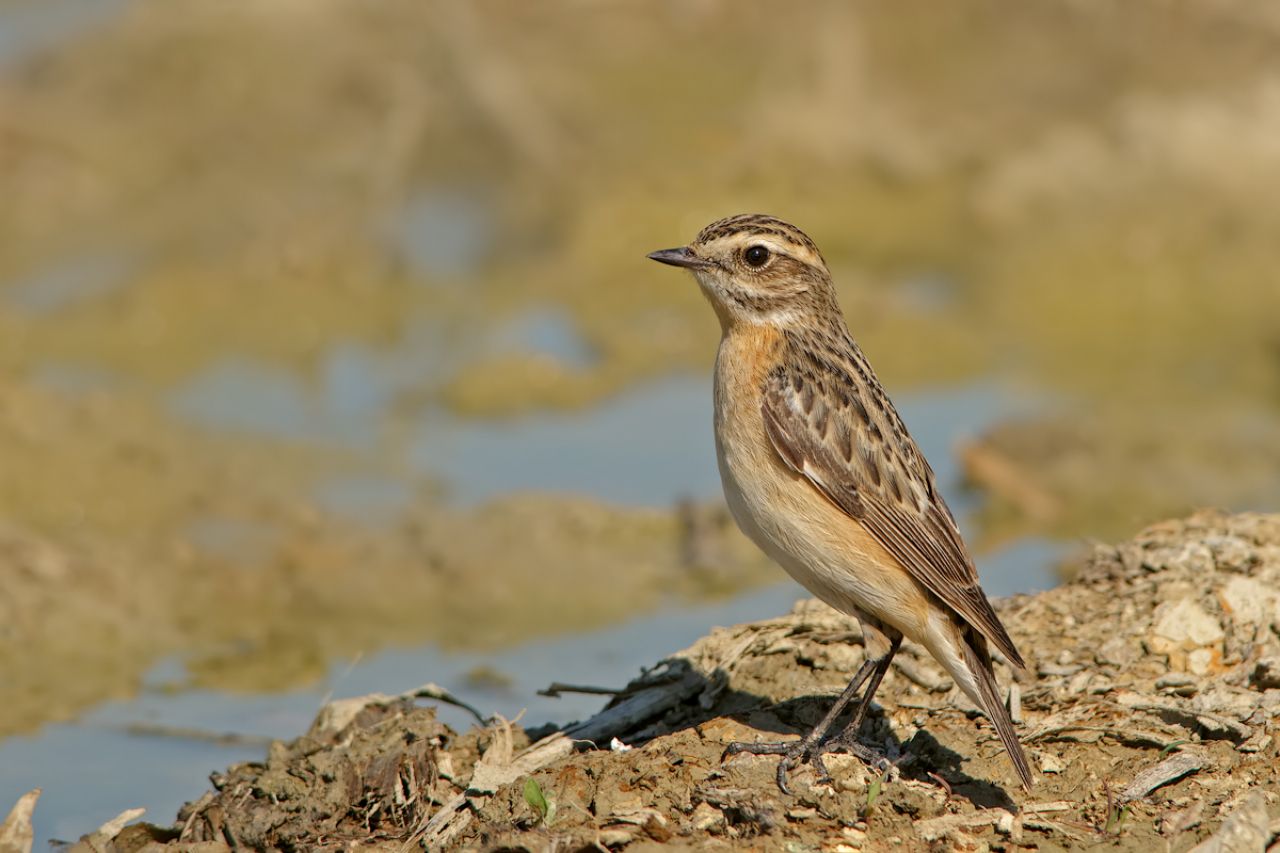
point(848, 744)
point(793, 752)
point(809, 750)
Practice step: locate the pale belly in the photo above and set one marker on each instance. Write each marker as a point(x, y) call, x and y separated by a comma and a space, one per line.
point(823, 549)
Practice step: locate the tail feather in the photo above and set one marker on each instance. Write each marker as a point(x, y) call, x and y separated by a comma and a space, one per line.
point(977, 658)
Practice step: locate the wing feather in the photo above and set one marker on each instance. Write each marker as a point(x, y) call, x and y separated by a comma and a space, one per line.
point(855, 450)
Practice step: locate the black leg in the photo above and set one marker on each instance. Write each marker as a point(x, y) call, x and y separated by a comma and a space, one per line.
point(810, 747)
point(847, 740)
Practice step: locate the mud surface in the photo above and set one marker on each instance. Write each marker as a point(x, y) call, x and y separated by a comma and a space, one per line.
point(1148, 711)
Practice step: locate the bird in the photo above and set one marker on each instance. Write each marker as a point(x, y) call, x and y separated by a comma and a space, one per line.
point(819, 471)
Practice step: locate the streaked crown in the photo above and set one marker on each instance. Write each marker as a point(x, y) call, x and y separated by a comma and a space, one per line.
point(745, 227)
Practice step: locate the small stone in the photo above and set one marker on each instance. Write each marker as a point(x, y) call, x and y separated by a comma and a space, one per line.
point(1079, 682)
point(707, 818)
point(1117, 651)
point(1246, 828)
point(1249, 602)
point(1183, 626)
point(1266, 674)
point(1260, 742)
point(1050, 763)
point(616, 836)
point(1183, 820)
point(1236, 702)
point(1192, 557)
point(1202, 661)
point(1231, 553)
point(848, 773)
point(1178, 683)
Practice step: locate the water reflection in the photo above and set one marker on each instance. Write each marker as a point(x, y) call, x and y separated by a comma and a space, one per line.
point(27, 28)
point(444, 234)
point(67, 284)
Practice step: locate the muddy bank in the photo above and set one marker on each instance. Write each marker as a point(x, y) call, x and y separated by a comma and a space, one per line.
point(1148, 711)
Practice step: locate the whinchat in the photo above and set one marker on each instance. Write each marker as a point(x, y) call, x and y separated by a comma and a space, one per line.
point(820, 472)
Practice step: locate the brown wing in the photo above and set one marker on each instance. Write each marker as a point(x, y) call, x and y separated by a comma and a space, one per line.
point(857, 452)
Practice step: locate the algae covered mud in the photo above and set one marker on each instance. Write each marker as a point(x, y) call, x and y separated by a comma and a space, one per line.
point(1149, 711)
point(294, 296)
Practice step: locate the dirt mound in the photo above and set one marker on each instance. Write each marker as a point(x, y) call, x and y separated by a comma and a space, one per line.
point(1148, 710)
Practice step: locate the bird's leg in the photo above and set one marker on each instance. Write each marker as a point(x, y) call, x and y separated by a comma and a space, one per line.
point(881, 643)
point(796, 751)
point(847, 740)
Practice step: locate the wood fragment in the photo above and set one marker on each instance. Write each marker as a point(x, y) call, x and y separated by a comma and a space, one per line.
point(16, 834)
point(1171, 769)
point(1047, 825)
point(555, 688)
point(338, 714)
point(939, 827)
point(1211, 725)
point(1049, 807)
point(923, 676)
point(1065, 732)
point(990, 468)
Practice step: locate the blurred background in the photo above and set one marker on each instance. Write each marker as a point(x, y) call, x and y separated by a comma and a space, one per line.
point(330, 361)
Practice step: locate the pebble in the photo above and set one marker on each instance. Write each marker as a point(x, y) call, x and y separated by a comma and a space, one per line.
point(1178, 683)
point(1203, 661)
point(1249, 602)
point(1117, 651)
point(706, 818)
point(1266, 674)
point(1185, 624)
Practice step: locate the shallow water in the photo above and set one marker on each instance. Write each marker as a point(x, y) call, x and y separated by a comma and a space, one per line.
point(29, 27)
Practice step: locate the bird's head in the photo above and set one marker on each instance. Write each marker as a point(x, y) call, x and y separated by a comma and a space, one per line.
point(757, 269)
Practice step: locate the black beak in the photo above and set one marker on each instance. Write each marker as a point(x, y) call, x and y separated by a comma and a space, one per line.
point(680, 257)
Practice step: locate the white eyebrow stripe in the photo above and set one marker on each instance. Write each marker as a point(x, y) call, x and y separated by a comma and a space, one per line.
point(770, 242)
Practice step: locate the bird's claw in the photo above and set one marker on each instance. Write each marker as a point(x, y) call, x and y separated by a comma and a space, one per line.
point(791, 753)
point(870, 757)
point(795, 752)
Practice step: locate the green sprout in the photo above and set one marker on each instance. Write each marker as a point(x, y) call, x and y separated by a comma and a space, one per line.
point(873, 791)
point(542, 805)
point(1116, 818)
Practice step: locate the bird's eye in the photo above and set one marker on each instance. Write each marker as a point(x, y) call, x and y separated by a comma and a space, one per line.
point(756, 256)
